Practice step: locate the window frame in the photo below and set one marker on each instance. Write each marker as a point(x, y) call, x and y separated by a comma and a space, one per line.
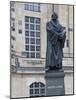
point(33, 89)
point(32, 7)
point(32, 39)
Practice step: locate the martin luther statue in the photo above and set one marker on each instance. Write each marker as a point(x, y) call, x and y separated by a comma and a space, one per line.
point(55, 43)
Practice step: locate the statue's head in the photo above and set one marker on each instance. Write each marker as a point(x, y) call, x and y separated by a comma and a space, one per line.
point(54, 16)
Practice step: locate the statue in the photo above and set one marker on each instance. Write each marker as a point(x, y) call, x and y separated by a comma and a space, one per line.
point(17, 64)
point(55, 43)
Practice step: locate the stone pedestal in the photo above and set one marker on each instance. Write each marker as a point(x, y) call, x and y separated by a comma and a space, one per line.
point(54, 83)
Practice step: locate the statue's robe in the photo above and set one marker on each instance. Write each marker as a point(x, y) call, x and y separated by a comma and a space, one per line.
point(55, 44)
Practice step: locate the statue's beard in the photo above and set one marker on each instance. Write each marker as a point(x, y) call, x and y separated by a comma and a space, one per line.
point(55, 21)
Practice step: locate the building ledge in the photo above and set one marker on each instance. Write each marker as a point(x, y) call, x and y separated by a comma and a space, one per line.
point(67, 69)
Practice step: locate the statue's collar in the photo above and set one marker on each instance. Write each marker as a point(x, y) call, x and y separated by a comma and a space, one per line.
point(55, 24)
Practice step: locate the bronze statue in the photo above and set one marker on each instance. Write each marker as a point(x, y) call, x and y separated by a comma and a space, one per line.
point(55, 43)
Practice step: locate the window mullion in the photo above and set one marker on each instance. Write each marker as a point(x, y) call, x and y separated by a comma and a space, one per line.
point(35, 37)
point(29, 39)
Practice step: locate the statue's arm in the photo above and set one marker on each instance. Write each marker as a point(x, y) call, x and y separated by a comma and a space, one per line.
point(62, 34)
point(62, 37)
point(48, 27)
point(51, 30)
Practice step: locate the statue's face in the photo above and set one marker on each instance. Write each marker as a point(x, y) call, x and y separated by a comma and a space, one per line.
point(54, 16)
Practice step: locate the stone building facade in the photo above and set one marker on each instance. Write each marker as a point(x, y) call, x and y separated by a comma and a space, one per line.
point(28, 47)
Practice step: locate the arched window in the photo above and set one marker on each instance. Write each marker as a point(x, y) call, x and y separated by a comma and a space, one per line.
point(37, 89)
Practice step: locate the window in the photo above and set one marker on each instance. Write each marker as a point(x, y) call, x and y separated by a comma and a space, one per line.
point(12, 28)
point(20, 31)
point(27, 47)
point(32, 37)
point(12, 46)
point(32, 20)
point(37, 34)
point(67, 43)
point(26, 26)
point(70, 29)
point(26, 33)
point(12, 9)
point(27, 19)
point(37, 41)
point(38, 48)
point(27, 40)
point(32, 33)
point(32, 48)
point(37, 89)
point(12, 4)
point(32, 40)
point(13, 19)
point(13, 38)
point(37, 20)
point(37, 55)
point(37, 27)
point(19, 22)
point(32, 55)
point(13, 24)
point(32, 7)
point(32, 26)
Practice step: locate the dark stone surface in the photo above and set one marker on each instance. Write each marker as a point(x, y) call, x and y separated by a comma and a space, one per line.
point(55, 43)
point(55, 83)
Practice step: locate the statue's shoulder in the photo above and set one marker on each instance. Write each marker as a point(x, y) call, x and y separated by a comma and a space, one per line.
point(48, 23)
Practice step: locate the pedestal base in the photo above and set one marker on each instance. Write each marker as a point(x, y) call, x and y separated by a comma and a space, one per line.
point(54, 83)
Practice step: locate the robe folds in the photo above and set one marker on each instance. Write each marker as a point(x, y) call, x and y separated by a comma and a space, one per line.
point(55, 44)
